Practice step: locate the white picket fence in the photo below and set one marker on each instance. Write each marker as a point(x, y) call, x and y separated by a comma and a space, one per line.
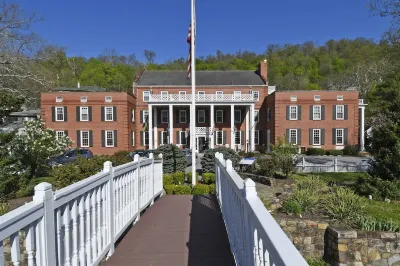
point(79, 224)
point(333, 166)
point(255, 237)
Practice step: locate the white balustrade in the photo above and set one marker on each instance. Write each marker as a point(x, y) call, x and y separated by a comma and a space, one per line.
point(79, 224)
point(204, 130)
point(255, 237)
point(202, 98)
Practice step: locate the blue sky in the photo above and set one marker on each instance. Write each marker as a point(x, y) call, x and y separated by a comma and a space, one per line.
point(87, 27)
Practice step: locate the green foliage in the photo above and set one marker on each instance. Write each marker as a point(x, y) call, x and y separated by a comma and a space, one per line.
point(368, 223)
point(350, 150)
point(316, 262)
point(309, 200)
point(9, 102)
point(266, 166)
point(378, 188)
point(182, 190)
point(169, 189)
point(334, 152)
point(29, 189)
point(66, 175)
point(313, 183)
point(208, 178)
point(208, 160)
point(174, 160)
point(178, 178)
point(283, 156)
point(189, 176)
point(315, 151)
point(4, 208)
point(200, 189)
point(168, 179)
point(211, 188)
point(291, 207)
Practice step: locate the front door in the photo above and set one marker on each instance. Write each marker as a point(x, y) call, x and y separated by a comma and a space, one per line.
point(200, 143)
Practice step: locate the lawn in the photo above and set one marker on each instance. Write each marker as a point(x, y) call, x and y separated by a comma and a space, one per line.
point(380, 209)
point(345, 178)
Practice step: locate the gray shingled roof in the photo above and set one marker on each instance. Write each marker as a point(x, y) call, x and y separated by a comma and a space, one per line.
point(83, 88)
point(205, 78)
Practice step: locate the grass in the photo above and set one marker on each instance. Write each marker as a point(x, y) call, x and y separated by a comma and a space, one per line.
point(381, 209)
point(345, 178)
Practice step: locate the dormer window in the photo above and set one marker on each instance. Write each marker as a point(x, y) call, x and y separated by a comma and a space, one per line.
point(83, 99)
point(293, 98)
point(59, 99)
point(340, 97)
point(317, 98)
point(108, 99)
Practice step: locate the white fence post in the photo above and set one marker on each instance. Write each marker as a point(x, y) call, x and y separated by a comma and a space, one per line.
point(249, 191)
point(303, 163)
point(335, 166)
point(44, 193)
point(110, 208)
point(136, 158)
point(152, 179)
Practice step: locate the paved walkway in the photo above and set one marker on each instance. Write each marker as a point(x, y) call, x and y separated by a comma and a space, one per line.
point(178, 230)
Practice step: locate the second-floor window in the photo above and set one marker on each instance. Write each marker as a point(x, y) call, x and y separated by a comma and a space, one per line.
point(293, 112)
point(256, 95)
point(238, 116)
point(339, 112)
point(145, 116)
point(219, 116)
point(182, 116)
point(201, 116)
point(59, 113)
point(84, 114)
point(109, 115)
point(164, 116)
point(146, 96)
point(317, 112)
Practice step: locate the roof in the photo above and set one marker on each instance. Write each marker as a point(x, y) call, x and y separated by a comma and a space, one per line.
point(35, 112)
point(83, 88)
point(203, 78)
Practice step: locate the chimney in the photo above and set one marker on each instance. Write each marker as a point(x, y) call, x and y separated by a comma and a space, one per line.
point(79, 85)
point(263, 70)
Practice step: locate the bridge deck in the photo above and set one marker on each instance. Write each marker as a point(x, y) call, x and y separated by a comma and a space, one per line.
point(177, 230)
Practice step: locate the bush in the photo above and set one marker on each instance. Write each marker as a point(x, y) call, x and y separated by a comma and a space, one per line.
point(174, 160)
point(266, 166)
point(367, 223)
point(262, 149)
point(189, 177)
point(169, 189)
point(208, 178)
point(249, 155)
point(291, 207)
point(29, 189)
point(66, 175)
point(350, 150)
point(4, 208)
point(168, 179)
point(334, 152)
point(313, 183)
point(378, 188)
point(208, 160)
point(309, 200)
point(211, 188)
point(200, 189)
point(315, 151)
point(182, 190)
point(178, 178)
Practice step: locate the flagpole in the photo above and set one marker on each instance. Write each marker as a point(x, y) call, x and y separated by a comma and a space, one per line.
point(193, 107)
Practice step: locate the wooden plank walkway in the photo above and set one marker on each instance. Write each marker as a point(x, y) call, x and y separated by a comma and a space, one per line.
point(178, 230)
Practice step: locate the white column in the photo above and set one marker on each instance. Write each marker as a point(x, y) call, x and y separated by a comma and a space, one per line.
point(212, 126)
point(268, 140)
point(155, 128)
point(247, 129)
point(171, 125)
point(232, 126)
point(252, 128)
point(150, 127)
point(362, 128)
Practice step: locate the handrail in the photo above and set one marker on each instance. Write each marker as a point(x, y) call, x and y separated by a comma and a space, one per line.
point(202, 98)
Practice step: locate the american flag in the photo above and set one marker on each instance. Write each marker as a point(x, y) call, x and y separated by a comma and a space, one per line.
point(189, 41)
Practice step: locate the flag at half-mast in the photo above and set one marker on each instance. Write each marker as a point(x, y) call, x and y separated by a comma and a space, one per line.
point(189, 41)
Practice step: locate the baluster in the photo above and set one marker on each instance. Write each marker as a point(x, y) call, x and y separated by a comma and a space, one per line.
point(67, 236)
point(94, 236)
point(38, 245)
point(59, 244)
point(99, 211)
point(130, 194)
point(123, 196)
point(74, 215)
point(255, 249)
point(266, 258)
point(104, 225)
point(2, 254)
point(261, 252)
point(15, 250)
point(88, 238)
point(82, 231)
point(30, 233)
point(117, 213)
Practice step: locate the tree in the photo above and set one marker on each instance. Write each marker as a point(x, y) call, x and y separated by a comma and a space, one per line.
point(208, 160)
point(174, 160)
point(283, 156)
point(9, 102)
point(150, 56)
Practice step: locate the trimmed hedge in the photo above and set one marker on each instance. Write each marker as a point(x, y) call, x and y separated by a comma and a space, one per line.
point(178, 178)
point(211, 188)
point(315, 151)
point(189, 177)
point(200, 189)
point(182, 190)
point(334, 152)
point(208, 178)
point(350, 150)
point(169, 189)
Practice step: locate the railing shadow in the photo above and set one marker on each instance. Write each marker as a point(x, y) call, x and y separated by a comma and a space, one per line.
point(208, 241)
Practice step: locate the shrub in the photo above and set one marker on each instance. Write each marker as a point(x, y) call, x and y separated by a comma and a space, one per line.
point(208, 160)
point(182, 190)
point(29, 189)
point(65, 175)
point(174, 160)
point(379, 188)
point(189, 177)
point(350, 150)
point(262, 149)
point(178, 178)
point(368, 223)
point(334, 152)
point(308, 200)
point(168, 179)
point(208, 178)
point(315, 151)
point(291, 207)
point(4, 208)
point(200, 189)
point(266, 166)
point(249, 155)
point(313, 183)
point(169, 189)
point(211, 188)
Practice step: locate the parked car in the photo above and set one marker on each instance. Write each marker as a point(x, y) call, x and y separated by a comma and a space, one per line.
point(142, 153)
point(70, 156)
point(188, 154)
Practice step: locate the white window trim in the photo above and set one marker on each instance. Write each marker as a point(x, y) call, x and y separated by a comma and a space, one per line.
point(80, 113)
point(162, 116)
point(145, 112)
point(56, 113)
point(316, 144)
point(88, 138)
point(180, 137)
point(338, 112)
point(133, 138)
point(219, 95)
point(216, 137)
point(146, 94)
point(240, 116)
point(290, 112)
point(162, 137)
point(320, 112)
point(256, 116)
point(257, 133)
point(237, 95)
point(198, 116)
point(258, 95)
point(60, 131)
point(59, 99)
point(181, 116)
point(290, 135)
point(113, 139)
point(336, 136)
point(340, 97)
point(144, 138)
point(182, 95)
point(293, 98)
point(84, 99)
point(240, 137)
point(317, 98)
point(105, 113)
point(133, 115)
point(222, 116)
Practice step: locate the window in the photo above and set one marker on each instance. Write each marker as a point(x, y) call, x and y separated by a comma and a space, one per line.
point(133, 115)
point(317, 98)
point(293, 112)
point(236, 95)
point(146, 138)
point(182, 95)
point(182, 116)
point(133, 138)
point(237, 137)
point(238, 116)
point(256, 95)
point(145, 116)
point(293, 136)
point(84, 114)
point(256, 137)
point(202, 95)
point(340, 98)
point(339, 136)
point(316, 137)
point(201, 116)
point(164, 95)
point(257, 116)
point(268, 114)
point(83, 99)
point(146, 96)
point(59, 113)
point(220, 95)
point(339, 112)
point(108, 99)
point(182, 137)
point(293, 98)
point(109, 113)
point(164, 138)
point(60, 134)
point(59, 99)
point(317, 112)
point(84, 138)
point(219, 137)
point(164, 116)
point(220, 116)
point(109, 138)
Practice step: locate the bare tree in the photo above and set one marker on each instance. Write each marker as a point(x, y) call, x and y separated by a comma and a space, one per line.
point(150, 56)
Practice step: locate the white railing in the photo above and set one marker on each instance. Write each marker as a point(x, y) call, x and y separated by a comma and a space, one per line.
point(202, 98)
point(255, 237)
point(79, 224)
point(204, 130)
